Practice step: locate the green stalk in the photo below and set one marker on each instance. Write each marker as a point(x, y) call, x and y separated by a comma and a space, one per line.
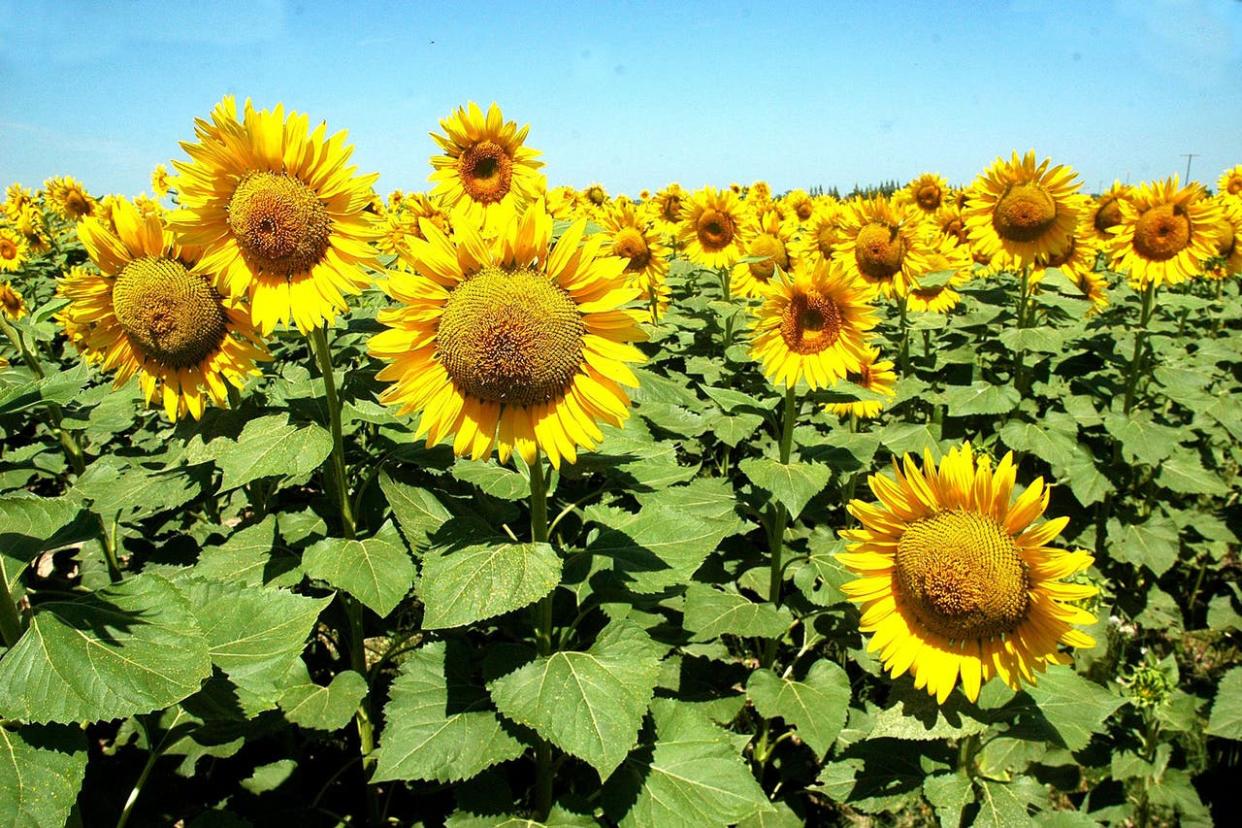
point(1140, 338)
point(779, 517)
point(543, 631)
point(338, 483)
point(903, 352)
point(10, 620)
point(1019, 354)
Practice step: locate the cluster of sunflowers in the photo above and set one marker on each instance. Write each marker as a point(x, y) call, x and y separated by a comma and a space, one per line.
point(516, 309)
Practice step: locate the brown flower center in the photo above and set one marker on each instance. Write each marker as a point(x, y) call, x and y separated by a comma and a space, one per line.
point(76, 204)
point(929, 196)
point(486, 172)
point(804, 209)
point(511, 337)
point(8, 250)
point(715, 230)
point(826, 239)
point(1024, 213)
point(670, 210)
point(1235, 185)
point(1108, 215)
point(281, 226)
point(879, 251)
point(1226, 239)
point(962, 575)
point(171, 315)
point(630, 244)
point(811, 323)
point(1162, 232)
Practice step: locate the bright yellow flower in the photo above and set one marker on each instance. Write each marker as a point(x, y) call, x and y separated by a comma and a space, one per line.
point(667, 207)
point(564, 203)
point(1229, 236)
point(1230, 182)
point(875, 375)
point(813, 325)
point(711, 228)
point(928, 192)
point(800, 204)
point(876, 239)
point(150, 312)
point(633, 238)
point(766, 236)
point(938, 255)
point(510, 342)
point(957, 578)
point(16, 197)
point(1103, 213)
point(1166, 233)
point(14, 249)
point(819, 234)
point(68, 198)
point(159, 181)
point(11, 302)
point(278, 212)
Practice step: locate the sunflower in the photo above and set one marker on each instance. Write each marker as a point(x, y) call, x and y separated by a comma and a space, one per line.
point(14, 249)
point(400, 221)
point(511, 342)
point(928, 192)
point(75, 331)
point(1229, 236)
point(819, 234)
point(1166, 233)
point(11, 302)
point(875, 375)
point(159, 181)
point(949, 221)
point(800, 204)
point(278, 213)
point(68, 198)
point(564, 203)
point(16, 197)
point(941, 254)
point(150, 312)
point(876, 238)
point(486, 173)
point(30, 224)
point(666, 209)
point(767, 239)
point(1230, 182)
point(958, 580)
point(813, 325)
point(759, 191)
point(1103, 213)
point(1019, 209)
point(711, 228)
point(1077, 257)
point(632, 238)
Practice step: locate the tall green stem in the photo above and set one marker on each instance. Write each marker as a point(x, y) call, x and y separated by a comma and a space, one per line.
point(1136, 356)
point(543, 631)
point(779, 517)
point(903, 352)
point(1019, 353)
point(339, 483)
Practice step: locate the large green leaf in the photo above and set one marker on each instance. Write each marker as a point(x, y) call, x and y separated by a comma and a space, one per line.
point(251, 556)
point(41, 770)
point(269, 446)
point(815, 705)
point(441, 724)
point(1073, 707)
point(1183, 473)
point(981, 398)
point(129, 648)
point(417, 510)
point(712, 612)
point(377, 570)
point(792, 484)
point(468, 576)
point(1153, 544)
point(29, 525)
point(689, 776)
point(590, 704)
point(324, 708)
point(1226, 716)
point(492, 479)
point(657, 547)
point(914, 715)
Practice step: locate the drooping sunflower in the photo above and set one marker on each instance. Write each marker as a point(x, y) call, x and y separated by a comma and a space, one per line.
point(950, 222)
point(1166, 233)
point(666, 209)
point(820, 234)
point(279, 213)
point(68, 198)
point(877, 236)
point(1018, 209)
point(1230, 182)
point(510, 342)
point(11, 302)
point(928, 192)
point(813, 325)
point(486, 172)
point(159, 181)
point(13, 249)
point(632, 237)
point(874, 374)
point(767, 235)
point(1103, 213)
point(1076, 259)
point(958, 579)
point(150, 311)
point(711, 228)
point(936, 256)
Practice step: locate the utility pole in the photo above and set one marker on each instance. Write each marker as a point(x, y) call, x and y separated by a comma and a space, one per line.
point(1188, 156)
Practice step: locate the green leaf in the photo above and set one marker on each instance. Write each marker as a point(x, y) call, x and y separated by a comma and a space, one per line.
point(815, 705)
point(730, 401)
point(1153, 544)
point(417, 510)
point(909, 438)
point(913, 714)
point(1141, 439)
point(324, 708)
point(1086, 482)
point(118, 487)
point(441, 725)
point(1074, 707)
point(469, 577)
point(711, 612)
point(377, 571)
point(692, 776)
point(250, 556)
point(590, 704)
point(980, 398)
point(494, 480)
point(129, 648)
point(41, 771)
point(1055, 447)
point(30, 524)
point(269, 446)
point(1226, 716)
point(949, 794)
point(792, 484)
point(1183, 473)
point(269, 777)
point(255, 634)
point(658, 547)
point(1007, 805)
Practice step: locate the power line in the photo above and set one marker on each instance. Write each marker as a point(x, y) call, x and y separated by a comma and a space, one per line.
point(1188, 156)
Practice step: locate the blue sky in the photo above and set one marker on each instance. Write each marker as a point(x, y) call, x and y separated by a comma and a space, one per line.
point(638, 94)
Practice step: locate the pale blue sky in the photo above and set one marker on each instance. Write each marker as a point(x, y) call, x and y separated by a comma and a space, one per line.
point(641, 93)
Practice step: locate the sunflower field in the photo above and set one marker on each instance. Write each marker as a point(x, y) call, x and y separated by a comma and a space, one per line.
point(501, 504)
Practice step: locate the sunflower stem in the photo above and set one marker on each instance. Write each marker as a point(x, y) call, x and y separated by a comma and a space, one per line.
point(903, 352)
point(1019, 353)
point(543, 632)
point(1140, 338)
point(779, 518)
point(338, 481)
